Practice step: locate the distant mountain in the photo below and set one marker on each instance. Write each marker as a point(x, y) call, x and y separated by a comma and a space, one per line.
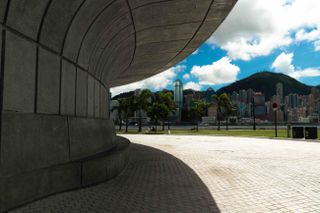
point(266, 82)
point(123, 95)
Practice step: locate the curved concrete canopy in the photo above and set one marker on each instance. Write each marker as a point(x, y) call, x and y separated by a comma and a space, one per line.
point(58, 60)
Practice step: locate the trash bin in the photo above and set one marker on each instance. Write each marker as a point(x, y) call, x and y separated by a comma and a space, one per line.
point(297, 132)
point(311, 133)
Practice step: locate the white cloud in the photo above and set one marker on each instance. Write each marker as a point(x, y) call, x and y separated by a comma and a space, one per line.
point(257, 27)
point(306, 73)
point(179, 68)
point(195, 52)
point(316, 45)
point(186, 76)
point(218, 72)
point(157, 82)
point(283, 64)
point(192, 85)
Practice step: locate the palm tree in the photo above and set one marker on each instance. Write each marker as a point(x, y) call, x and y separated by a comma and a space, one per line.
point(197, 111)
point(224, 104)
point(142, 102)
point(120, 109)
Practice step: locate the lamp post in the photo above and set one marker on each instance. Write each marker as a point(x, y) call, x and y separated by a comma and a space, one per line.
point(275, 107)
point(253, 113)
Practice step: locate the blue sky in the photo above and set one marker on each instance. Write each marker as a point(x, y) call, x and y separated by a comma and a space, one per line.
point(276, 35)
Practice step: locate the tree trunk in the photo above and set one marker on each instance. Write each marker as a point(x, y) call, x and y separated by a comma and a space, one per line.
point(120, 125)
point(162, 125)
point(218, 118)
point(227, 124)
point(140, 121)
point(126, 124)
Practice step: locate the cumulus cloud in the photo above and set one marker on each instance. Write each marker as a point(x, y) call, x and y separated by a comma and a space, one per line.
point(257, 27)
point(219, 72)
point(157, 82)
point(306, 73)
point(179, 68)
point(186, 76)
point(283, 64)
point(192, 85)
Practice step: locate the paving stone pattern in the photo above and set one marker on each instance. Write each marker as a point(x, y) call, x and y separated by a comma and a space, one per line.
point(203, 174)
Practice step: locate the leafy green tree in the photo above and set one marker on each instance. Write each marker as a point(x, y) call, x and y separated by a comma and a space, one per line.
point(197, 111)
point(224, 108)
point(142, 103)
point(156, 111)
point(120, 109)
point(129, 108)
point(166, 98)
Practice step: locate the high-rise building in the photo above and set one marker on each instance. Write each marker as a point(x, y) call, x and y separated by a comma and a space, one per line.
point(279, 92)
point(209, 93)
point(259, 105)
point(250, 94)
point(178, 93)
point(243, 96)
point(178, 98)
point(293, 100)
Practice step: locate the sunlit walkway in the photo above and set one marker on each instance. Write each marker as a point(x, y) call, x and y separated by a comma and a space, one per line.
point(204, 174)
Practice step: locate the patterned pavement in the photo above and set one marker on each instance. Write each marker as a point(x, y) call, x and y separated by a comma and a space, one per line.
point(203, 174)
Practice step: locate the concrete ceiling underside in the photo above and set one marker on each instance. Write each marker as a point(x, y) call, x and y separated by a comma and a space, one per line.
point(116, 41)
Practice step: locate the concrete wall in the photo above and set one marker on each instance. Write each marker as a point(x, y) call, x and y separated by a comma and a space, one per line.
point(58, 60)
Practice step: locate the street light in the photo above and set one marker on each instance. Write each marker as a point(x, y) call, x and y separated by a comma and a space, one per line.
point(275, 107)
point(253, 113)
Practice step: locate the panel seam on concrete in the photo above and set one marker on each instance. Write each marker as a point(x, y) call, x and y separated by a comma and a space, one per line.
point(3, 47)
point(90, 26)
point(37, 57)
point(104, 73)
point(3, 58)
point(168, 25)
point(135, 33)
point(153, 27)
point(68, 135)
point(36, 81)
point(75, 92)
point(153, 2)
point(87, 85)
point(196, 32)
point(22, 36)
point(109, 42)
point(116, 34)
point(194, 35)
point(69, 26)
point(60, 86)
point(93, 98)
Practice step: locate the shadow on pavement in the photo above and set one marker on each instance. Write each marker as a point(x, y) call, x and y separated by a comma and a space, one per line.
point(154, 181)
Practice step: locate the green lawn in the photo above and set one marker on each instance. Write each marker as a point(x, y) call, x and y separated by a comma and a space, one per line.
point(237, 132)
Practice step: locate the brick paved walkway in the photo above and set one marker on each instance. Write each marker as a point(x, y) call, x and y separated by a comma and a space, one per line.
point(203, 174)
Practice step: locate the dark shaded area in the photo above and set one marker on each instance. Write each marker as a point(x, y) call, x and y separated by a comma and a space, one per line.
point(154, 181)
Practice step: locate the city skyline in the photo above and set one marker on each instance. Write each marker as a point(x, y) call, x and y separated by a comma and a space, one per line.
point(249, 103)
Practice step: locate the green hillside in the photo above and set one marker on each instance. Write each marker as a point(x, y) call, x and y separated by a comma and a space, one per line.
point(266, 82)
